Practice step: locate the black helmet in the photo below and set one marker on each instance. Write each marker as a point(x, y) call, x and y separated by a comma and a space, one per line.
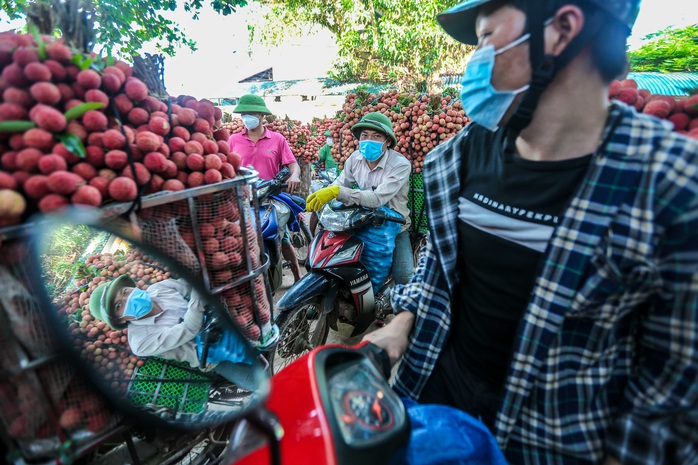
point(459, 21)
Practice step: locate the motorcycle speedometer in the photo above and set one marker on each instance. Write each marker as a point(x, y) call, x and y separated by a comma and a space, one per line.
point(366, 409)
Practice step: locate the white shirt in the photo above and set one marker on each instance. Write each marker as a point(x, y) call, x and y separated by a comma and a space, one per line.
point(169, 334)
point(386, 184)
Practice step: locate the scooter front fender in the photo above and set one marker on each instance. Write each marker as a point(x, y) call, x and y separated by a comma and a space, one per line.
point(310, 286)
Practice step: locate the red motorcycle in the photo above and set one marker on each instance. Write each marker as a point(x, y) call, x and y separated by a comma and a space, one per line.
point(338, 285)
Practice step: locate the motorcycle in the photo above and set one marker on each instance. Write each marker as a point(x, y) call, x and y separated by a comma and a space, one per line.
point(337, 287)
point(272, 200)
point(323, 178)
point(361, 418)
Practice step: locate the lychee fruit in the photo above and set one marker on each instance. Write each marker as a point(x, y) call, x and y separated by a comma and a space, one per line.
point(123, 189)
point(159, 125)
point(87, 195)
point(48, 118)
point(89, 79)
point(147, 141)
point(173, 185)
point(37, 72)
point(49, 163)
point(45, 92)
point(64, 182)
point(95, 121)
point(135, 89)
point(53, 202)
point(138, 116)
point(113, 139)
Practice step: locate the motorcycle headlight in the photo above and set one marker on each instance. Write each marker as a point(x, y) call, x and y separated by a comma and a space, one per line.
point(334, 220)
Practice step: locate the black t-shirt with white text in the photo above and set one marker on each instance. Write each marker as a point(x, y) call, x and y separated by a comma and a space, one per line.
point(507, 212)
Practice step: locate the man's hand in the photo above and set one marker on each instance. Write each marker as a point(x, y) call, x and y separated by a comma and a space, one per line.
point(320, 197)
point(393, 337)
point(294, 182)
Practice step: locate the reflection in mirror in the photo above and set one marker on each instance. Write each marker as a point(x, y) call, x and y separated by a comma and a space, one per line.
point(147, 333)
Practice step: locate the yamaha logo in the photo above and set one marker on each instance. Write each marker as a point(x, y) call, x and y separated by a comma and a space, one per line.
point(330, 235)
point(358, 280)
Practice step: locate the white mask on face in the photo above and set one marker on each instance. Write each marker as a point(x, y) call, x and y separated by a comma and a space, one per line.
point(329, 141)
point(250, 121)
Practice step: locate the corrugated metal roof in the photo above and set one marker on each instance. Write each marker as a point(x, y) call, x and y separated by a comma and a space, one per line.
point(675, 84)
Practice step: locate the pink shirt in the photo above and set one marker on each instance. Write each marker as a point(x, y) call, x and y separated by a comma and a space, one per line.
point(267, 155)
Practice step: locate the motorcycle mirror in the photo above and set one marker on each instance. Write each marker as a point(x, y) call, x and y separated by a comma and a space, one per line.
point(137, 324)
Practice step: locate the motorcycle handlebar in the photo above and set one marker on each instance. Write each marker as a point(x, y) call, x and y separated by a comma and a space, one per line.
point(377, 355)
point(400, 220)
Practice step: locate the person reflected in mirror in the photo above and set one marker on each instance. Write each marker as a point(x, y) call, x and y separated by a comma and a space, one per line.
point(381, 175)
point(267, 152)
point(164, 321)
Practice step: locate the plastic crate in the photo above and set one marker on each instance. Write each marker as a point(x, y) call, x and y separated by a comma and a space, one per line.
point(152, 384)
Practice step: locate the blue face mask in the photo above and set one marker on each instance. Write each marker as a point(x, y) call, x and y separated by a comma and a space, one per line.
point(481, 101)
point(250, 121)
point(138, 304)
point(371, 150)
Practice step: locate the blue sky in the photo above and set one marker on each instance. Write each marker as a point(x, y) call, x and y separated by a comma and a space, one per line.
point(222, 57)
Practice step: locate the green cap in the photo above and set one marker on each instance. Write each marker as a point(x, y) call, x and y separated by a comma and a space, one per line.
point(327, 133)
point(378, 122)
point(249, 103)
point(102, 300)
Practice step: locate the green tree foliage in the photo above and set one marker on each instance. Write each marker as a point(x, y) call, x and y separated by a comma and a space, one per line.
point(669, 50)
point(378, 40)
point(124, 25)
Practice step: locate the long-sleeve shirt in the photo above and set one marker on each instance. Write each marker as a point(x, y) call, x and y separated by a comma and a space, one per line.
point(386, 184)
point(325, 156)
point(169, 334)
point(610, 333)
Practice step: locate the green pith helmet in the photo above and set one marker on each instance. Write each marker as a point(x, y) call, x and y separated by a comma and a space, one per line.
point(327, 133)
point(249, 103)
point(102, 299)
point(377, 122)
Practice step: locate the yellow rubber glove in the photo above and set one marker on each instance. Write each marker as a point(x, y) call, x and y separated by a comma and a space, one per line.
point(320, 197)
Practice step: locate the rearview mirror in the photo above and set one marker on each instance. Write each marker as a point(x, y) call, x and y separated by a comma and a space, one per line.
point(145, 330)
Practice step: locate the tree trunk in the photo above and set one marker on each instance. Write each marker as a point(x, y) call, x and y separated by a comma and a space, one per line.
point(305, 178)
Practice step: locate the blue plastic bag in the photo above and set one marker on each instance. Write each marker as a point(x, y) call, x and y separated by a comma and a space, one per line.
point(443, 435)
point(379, 243)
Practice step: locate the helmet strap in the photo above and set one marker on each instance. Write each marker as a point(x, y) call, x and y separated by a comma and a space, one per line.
point(545, 68)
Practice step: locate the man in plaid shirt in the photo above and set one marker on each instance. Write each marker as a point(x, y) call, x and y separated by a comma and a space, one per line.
point(557, 297)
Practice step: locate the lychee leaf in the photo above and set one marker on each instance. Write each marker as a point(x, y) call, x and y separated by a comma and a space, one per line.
point(16, 125)
point(72, 143)
point(78, 110)
point(40, 44)
point(82, 61)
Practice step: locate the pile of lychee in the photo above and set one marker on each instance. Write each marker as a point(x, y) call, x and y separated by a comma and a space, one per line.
point(70, 135)
point(681, 112)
